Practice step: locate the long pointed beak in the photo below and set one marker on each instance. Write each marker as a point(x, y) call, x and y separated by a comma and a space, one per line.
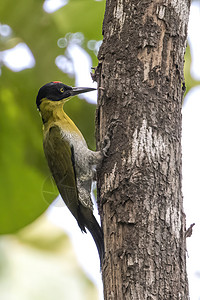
point(80, 90)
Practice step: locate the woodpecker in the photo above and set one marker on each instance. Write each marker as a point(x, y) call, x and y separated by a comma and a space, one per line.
point(70, 161)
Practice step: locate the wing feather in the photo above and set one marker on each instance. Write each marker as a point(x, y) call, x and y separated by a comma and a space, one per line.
point(59, 155)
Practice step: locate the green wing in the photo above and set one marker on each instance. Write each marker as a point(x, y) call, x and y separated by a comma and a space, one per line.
point(59, 155)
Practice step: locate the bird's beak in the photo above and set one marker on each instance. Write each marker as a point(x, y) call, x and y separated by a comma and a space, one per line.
point(80, 90)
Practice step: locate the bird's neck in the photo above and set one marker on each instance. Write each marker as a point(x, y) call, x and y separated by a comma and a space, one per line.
point(52, 113)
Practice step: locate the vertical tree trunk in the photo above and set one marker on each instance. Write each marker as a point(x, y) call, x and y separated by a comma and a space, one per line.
point(140, 75)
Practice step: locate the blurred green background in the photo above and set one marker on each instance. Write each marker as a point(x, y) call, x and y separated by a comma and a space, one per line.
point(28, 253)
point(30, 246)
point(23, 167)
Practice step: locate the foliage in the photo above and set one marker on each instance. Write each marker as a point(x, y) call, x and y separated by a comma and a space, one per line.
point(189, 80)
point(23, 168)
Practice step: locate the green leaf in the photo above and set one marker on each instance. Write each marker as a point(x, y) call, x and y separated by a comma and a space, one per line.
point(190, 82)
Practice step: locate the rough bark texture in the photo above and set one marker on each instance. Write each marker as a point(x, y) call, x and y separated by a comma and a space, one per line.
point(140, 75)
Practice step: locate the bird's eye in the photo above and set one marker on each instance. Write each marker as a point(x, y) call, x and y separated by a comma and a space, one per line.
point(62, 90)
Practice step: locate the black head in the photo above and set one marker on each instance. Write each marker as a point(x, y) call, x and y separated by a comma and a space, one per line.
point(56, 91)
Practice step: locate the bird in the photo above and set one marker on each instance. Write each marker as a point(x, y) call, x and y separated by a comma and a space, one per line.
point(71, 163)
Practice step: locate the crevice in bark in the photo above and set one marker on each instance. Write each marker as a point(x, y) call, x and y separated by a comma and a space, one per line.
point(140, 76)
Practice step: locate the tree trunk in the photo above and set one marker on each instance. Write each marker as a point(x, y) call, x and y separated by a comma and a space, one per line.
point(140, 78)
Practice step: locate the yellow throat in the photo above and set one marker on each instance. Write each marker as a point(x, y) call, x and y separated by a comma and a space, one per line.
point(53, 114)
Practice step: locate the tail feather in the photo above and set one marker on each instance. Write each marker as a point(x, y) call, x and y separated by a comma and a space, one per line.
point(97, 234)
point(87, 219)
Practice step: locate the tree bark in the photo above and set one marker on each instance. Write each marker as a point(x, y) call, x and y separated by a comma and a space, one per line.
point(141, 87)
